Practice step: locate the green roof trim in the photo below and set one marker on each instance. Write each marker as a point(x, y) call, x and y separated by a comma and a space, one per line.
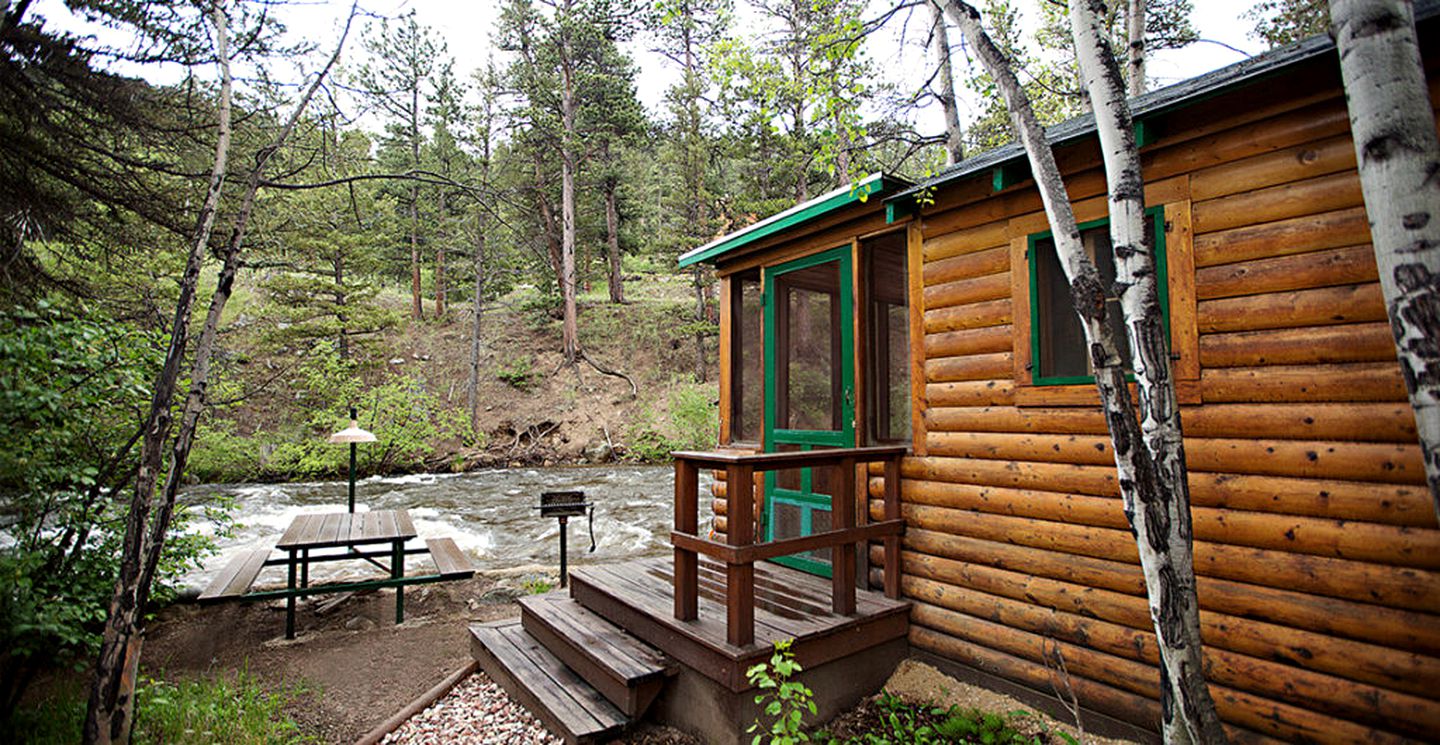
point(898, 211)
point(872, 185)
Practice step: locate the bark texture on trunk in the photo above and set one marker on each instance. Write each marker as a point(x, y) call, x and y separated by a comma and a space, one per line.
point(110, 715)
point(109, 711)
point(472, 386)
point(440, 300)
point(570, 328)
point(1158, 502)
point(954, 135)
point(1135, 35)
point(612, 242)
point(417, 310)
point(1159, 531)
point(547, 218)
point(1398, 157)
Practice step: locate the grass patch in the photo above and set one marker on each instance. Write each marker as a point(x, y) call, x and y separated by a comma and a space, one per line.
point(203, 710)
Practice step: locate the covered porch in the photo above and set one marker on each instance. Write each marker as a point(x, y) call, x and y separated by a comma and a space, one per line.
point(680, 633)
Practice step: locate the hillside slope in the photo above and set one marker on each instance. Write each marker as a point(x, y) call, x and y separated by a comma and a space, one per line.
point(284, 398)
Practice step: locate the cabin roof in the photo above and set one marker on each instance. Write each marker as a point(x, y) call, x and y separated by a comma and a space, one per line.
point(1162, 100)
point(876, 184)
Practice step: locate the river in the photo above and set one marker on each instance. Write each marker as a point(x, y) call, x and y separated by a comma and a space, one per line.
point(488, 513)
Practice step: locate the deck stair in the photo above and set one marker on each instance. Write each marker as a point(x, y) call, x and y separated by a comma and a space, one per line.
point(580, 674)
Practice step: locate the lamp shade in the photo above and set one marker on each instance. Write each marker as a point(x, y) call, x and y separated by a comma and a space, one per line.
point(351, 434)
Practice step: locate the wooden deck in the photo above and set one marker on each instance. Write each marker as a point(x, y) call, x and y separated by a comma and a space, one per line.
point(639, 597)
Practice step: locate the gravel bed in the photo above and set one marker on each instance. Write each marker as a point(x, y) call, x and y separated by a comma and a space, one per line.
point(475, 711)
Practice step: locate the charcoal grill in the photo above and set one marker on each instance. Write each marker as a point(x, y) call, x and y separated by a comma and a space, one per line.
point(563, 505)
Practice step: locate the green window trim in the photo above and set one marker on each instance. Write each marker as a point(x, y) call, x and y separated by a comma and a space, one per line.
point(1156, 215)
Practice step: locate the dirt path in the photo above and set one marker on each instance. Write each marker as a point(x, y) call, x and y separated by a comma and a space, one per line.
point(355, 666)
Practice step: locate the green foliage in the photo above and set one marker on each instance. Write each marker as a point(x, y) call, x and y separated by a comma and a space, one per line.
point(69, 386)
point(691, 422)
point(406, 415)
point(519, 373)
point(537, 586)
point(205, 710)
point(787, 701)
point(890, 719)
point(1281, 22)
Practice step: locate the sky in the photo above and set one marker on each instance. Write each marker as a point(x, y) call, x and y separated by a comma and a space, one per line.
point(466, 27)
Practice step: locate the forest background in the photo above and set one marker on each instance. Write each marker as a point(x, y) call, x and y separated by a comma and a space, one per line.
point(408, 246)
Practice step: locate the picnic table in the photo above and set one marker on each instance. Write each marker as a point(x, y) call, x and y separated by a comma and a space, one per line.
point(375, 537)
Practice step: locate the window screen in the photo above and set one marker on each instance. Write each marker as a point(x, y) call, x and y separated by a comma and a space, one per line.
point(1059, 353)
point(747, 365)
point(887, 342)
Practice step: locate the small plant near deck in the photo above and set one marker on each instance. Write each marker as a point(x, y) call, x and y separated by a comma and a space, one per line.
point(537, 586)
point(891, 719)
point(784, 699)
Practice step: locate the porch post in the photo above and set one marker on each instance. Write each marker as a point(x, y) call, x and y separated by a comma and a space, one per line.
point(687, 520)
point(842, 556)
point(740, 578)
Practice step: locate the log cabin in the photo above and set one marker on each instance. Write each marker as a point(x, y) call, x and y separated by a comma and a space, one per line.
point(912, 459)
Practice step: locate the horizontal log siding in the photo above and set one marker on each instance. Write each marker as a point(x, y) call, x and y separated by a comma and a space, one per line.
point(1316, 547)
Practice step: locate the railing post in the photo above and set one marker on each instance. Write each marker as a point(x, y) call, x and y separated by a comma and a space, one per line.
point(842, 557)
point(892, 512)
point(740, 578)
point(687, 520)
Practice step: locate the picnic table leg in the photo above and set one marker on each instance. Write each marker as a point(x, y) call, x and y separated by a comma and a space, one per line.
point(305, 568)
point(397, 570)
point(290, 601)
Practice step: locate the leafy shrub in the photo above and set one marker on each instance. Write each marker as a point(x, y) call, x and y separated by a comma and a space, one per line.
point(691, 422)
point(786, 700)
point(206, 710)
point(537, 586)
point(70, 382)
point(541, 308)
point(406, 416)
point(891, 719)
point(518, 374)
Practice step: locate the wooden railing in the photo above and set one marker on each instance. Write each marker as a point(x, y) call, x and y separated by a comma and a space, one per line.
point(739, 552)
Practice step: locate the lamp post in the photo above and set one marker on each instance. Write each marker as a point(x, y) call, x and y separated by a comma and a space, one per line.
point(352, 435)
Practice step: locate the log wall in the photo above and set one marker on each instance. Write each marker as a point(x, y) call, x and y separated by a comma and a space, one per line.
point(1316, 547)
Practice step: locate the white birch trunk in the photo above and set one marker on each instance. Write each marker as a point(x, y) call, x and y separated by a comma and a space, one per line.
point(109, 712)
point(1136, 51)
point(954, 135)
point(111, 700)
point(1139, 476)
point(1398, 157)
point(1158, 508)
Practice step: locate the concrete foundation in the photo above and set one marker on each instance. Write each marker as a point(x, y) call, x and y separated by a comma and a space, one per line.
point(696, 704)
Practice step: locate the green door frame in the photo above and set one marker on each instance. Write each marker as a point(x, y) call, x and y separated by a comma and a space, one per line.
point(804, 498)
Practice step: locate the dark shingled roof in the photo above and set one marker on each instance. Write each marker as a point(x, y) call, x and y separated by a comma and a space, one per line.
point(1177, 96)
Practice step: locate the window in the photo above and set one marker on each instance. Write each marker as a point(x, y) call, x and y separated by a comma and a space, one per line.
point(1058, 354)
point(887, 341)
point(747, 359)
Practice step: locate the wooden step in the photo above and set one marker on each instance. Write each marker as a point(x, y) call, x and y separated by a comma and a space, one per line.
point(625, 670)
point(543, 684)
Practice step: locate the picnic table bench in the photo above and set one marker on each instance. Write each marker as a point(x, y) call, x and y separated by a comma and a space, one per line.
point(312, 538)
